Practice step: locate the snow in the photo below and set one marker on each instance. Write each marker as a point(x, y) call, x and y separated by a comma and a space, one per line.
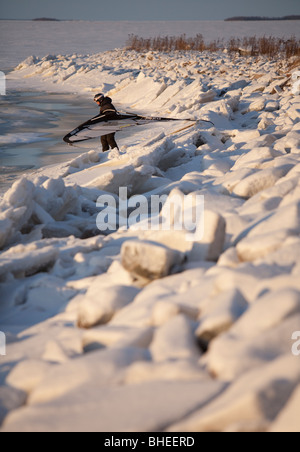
point(10, 399)
point(96, 311)
point(148, 260)
point(288, 420)
point(221, 314)
point(147, 328)
point(106, 408)
point(26, 375)
point(255, 398)
point(117, 336)
point(175, 341)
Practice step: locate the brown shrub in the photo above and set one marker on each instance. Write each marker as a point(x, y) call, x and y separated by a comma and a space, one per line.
point(249, 46)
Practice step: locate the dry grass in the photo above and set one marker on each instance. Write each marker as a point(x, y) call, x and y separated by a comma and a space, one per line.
point(166, 43)
point(295, 64)
point(253, 46)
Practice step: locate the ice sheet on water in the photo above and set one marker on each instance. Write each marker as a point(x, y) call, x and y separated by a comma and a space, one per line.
point(14, 138)
point(94, 37)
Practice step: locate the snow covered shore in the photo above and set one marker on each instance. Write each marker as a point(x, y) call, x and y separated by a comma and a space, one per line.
point(143, 330)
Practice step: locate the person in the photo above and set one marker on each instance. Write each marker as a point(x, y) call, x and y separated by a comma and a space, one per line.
point(107, 109)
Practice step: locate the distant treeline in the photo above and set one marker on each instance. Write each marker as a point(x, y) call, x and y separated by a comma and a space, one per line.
point(243, 18)
point(45, 19)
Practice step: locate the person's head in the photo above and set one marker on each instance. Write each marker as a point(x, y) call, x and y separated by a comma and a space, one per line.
point(99, 98)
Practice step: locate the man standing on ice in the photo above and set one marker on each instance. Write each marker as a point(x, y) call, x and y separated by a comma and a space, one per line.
point(107, 109)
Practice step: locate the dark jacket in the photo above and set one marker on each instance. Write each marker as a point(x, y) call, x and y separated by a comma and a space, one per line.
point(106, 107)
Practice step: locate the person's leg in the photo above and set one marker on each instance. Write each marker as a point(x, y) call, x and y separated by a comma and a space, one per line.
point(104, 142)
point(111, 141)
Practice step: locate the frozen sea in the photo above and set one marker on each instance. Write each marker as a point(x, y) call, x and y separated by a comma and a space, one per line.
point(19, 39)
point(32, 125)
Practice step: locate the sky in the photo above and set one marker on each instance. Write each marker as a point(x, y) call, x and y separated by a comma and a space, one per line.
point(145, 9)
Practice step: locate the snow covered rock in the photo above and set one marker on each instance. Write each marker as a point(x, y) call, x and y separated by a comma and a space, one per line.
point(12, 294)
point(149, 260)
point(85, 160)
point(164, 310)
point(216, 165)
point(253, 248)
point(245, 136)
point(257, 105)
point(101, 303)
point(56, 199)
point(210, 247)
point(10, 399)
point(22, 261)
point(263, 141)
point(28, 374)
point(290, 143)
point(170, 289)
point(20, 194)
point(175, 340)
point(272, 106)
point(92, 370)
point(267, 312)
point(279, 82)
point(288, 421)
point(59, 230)
point(259, 181)
point(179, 370)
point(220, 314)
point(25, 206)
point(256, 396)
point(241, 349)
point(16, 209)
point(206, 97)
point(54, 353)
point(128, 176)
point(255, 87)
point(5, 230)
point(265, 123)
point(117, 337)
point(106, 409)
point(251, 159)
point(272, 222)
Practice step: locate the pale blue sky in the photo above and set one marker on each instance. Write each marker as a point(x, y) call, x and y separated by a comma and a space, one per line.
point(145, 9)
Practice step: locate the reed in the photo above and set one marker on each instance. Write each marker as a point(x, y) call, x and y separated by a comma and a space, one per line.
point(269, 46)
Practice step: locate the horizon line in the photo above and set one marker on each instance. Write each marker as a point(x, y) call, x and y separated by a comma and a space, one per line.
point(245, 18)
point(116, 20)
